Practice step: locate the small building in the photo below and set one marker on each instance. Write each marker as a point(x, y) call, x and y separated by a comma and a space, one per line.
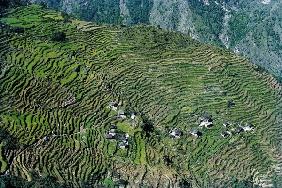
point(206, 124)
point(225, 134)
point(123, 144)
point(126, 136)
point(206, 117)
point(110, 136)
point(46, 138)
point(248, 127)
point(226, 124)
point(133, 115)
point(196, 133)
point(113, 106)
point(113, 126)
point(175, 133)
point(112, 132)
point(121, 114)
point(206, 121)
point(239, 129)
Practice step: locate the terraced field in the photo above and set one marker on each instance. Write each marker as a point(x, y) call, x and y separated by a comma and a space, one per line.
point(62, 99)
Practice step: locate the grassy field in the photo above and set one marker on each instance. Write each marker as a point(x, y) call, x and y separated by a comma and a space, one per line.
point(54, 104)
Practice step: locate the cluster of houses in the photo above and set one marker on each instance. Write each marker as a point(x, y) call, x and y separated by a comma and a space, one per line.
point(122, 138)
point(207, 122)
point(112, 133)
point(239, 129)
point(120, 113)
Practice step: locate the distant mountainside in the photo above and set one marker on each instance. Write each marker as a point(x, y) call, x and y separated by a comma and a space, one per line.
point(252, 28)
point(90, 105)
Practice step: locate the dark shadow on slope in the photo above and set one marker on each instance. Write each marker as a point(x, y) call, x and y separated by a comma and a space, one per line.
point(10, 142)
point(9, 181)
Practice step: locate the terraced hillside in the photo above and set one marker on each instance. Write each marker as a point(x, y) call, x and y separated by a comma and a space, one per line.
point(88, 105)
point(251, 28)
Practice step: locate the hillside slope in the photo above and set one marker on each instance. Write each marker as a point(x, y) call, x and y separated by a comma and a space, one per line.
point(252, 28)
point(64, 84)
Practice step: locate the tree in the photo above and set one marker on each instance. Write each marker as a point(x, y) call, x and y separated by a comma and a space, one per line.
point(230, 103)
point(147, 126)
point(59, 36)
point(167, 160)
point(66, 17)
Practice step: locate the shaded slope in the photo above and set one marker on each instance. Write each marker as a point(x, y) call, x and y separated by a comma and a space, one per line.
point(55, 101)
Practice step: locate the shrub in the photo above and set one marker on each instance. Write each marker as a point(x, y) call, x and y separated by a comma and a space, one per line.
point(66, 17)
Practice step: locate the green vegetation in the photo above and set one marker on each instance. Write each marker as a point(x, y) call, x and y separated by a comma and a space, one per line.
point(208, 20)
point(3, 162)
point(108, 182)
point(59, 36)
point(127, 128)
point(139, 10)
point(55, 114)
point(239, 27)
point(140, 150)
point(103, 11)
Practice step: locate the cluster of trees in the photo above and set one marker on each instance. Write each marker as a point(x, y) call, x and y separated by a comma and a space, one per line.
point(59, 36)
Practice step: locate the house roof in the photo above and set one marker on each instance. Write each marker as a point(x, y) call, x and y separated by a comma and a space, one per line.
point(114, 104)
point(123, 144)
point(195, 132)
point(175, 132)
point(249, 127)
point(110, 136)
point(206, 118)
point(239, 129)
point(206, 124)
point(225, 134)
point(113, 126)
point(226, 123)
